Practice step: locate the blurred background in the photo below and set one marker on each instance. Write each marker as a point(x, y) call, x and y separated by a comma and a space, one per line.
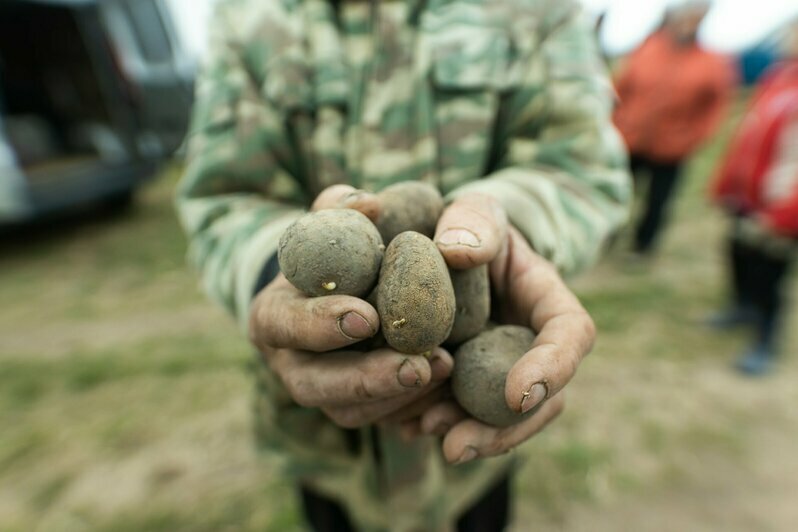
point(125, 395)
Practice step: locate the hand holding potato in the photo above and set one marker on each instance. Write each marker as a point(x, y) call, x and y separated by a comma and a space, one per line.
point(473, 231)
point(298, 335)
point(386, 386)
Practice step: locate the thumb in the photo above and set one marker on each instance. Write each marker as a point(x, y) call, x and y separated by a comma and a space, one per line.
point(471, 231)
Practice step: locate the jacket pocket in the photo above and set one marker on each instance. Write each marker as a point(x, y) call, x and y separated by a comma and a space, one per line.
point(469, 71)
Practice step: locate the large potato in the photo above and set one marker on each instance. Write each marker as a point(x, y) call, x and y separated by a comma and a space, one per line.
point(480, 370)
point(409, 206)
point(415, 298)
point(472, 295)
point(335, 251)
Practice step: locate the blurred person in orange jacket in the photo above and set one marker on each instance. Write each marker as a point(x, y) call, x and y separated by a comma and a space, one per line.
point(673, 94)
point(758, 186)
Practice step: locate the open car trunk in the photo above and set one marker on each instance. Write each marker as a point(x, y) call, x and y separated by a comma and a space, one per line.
point(56, 112)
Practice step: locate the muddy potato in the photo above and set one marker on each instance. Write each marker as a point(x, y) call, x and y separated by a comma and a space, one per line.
point(415, 298)
point(480, 371)
point(409, 206)
point(335, 251)
point(472, 296)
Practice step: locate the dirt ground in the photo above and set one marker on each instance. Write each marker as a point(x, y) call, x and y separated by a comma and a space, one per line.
point(125, 395)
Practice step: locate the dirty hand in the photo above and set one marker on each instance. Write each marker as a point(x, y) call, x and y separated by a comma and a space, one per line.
point(472, 231)
point(302, 339)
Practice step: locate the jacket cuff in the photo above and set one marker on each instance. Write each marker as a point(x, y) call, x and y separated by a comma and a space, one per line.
point(267, 274)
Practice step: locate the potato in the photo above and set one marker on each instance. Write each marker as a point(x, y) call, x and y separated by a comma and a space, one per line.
point(472, 296)
point(335, 251)
point(480, 371)
point(415, 298)
point(409, 206)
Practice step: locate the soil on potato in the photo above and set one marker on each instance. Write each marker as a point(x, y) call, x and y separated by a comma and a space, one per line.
point(415, 297)
point(409, 206)
point(335, 251)
point(480, 371)
point(472, 297)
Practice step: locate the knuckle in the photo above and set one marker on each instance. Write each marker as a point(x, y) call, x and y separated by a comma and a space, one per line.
point(590, 326)
point(253, 331)
point(255, 324)
point(360, 388)
point(298, 391)
point(496, 447)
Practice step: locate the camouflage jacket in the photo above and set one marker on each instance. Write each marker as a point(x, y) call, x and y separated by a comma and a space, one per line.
point(505, 97)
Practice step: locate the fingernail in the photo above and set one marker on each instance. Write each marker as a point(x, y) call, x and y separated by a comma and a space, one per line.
point(469, 454)
point(534, 396)
point(459, 237)
point(440, 368)
point(408, 376)
point(354, 326)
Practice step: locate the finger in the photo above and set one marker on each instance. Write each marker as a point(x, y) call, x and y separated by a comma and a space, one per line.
point(416, 408)
point(441, 364)
point(283, 317)
point(345, 377)
point(440, 418)
point(348, 197)
point(472, 439)
point(471, 231)
point(361, 414)
point(399, 408)
point(537, 297)
point(566, 335)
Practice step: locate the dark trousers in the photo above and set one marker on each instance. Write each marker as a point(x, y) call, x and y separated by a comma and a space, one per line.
point(491, 513)
point(757, 279)
point(663, 179)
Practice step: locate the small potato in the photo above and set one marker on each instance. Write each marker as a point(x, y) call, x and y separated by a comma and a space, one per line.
point(480, 370)
point(472, 295)
point(335, 251)
point(409, 206)
point(415, 298)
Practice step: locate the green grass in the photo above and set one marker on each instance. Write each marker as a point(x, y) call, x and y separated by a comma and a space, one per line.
point(125, 397)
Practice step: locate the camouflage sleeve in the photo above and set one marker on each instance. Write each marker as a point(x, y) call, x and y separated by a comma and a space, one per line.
point(239, 192)
point(562, 171)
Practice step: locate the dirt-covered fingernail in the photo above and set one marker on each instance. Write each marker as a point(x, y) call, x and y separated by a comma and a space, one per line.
point(354, 326)
point(534, 396)
point(469, 454)
point(408, 375)
point(459, 237)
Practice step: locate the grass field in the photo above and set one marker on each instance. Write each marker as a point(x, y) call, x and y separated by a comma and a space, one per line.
point(124, 395)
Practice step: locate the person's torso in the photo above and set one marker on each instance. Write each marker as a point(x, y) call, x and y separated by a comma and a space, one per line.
point(375, 93)
point(673, 87)
point(385, 91)
point(761, 140)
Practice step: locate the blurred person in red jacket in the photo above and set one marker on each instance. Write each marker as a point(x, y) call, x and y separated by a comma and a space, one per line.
point(673, 95)
point(757, 184)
